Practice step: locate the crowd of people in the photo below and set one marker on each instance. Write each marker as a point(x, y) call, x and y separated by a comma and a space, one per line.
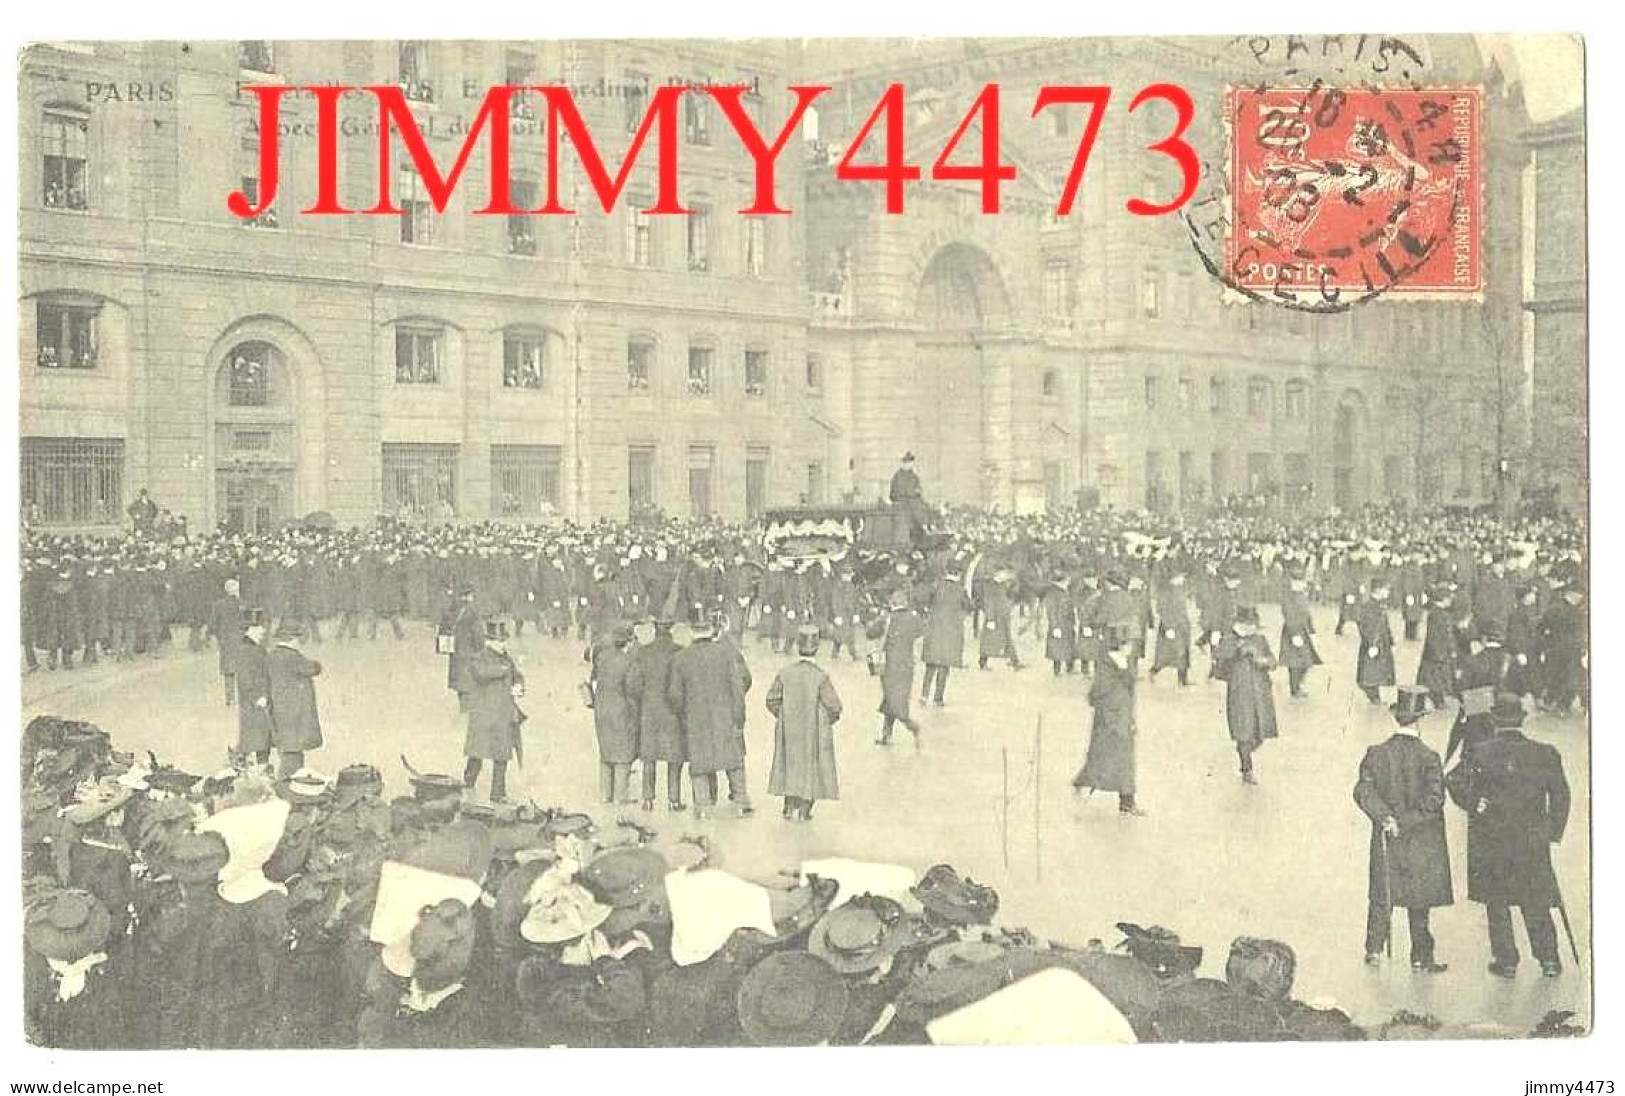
point(1497, 606)
point(246, 910)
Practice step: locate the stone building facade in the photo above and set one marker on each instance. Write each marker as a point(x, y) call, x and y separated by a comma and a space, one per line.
point(472, 366)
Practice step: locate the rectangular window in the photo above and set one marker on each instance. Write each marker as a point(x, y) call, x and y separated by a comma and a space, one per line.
point(249, 376)
point(755, 246)
point(65, 336)
point(755, 373)
point(640, 365)
point(417, 215)
point(1296, 401)
point(256, 57)
point(699, 370)
point(1218, 395)
point(417, 356)
point(523, 361)
point(72, 481)
point(1187, 476)
point(1154, 487)
point(701, 458)
point(1219, 473)
point(250, 187)
point(420, 480)
point(519, 70)
point(1296, 480)
point(413, 75)
point(757, 459)
point(1151, 393)
point(815, 484)
point(1151, 294)
point(640, 478)
point(1187, 394)
point(526, 194)
point(1050, 383)
point(1258, 400)
point(639, 231)
point(636, 102)
point(815, 372)
point(1057, 290)
point(525, 481)
point(697, 116)
point(699, 239)
point(65, 140)
point(1260, 473)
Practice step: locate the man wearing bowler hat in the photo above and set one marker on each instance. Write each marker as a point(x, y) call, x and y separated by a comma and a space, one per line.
point(706, 688)
point(296, 724)
point(1401, 789)
point(1517, 803)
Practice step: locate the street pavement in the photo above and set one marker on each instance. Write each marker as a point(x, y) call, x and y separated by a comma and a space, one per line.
point(987, 789)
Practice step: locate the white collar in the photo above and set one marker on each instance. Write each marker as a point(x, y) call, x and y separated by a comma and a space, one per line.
point(71, 976)
point(1413, 731)
point(416, 999)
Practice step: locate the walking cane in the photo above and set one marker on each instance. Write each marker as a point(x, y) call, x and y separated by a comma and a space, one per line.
point(1387, 898)
point(1568, 929)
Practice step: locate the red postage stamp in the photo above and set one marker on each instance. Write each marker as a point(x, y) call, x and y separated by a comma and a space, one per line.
point(1355, 192)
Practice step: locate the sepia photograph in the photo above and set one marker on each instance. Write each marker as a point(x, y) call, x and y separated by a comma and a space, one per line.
point(803, 542)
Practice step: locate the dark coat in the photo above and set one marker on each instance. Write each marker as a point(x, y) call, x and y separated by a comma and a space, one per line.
point(996, 640)
point(1403, 779)
point(614, 708)
point(707, 687)
point(1525, 799)
point(226, 622)
point(1437, 671)
point(903, 630)
point(1375, 669)
point(805, 708)
point(468, 640)
point(945, 628)
point(253, 670)
point(494, 718)
point(660, 731)
point(296, 723)
point(1061, 635)
point(1244, 665)
point(1297, 625)
point(1109, 764)
point(1173, 649)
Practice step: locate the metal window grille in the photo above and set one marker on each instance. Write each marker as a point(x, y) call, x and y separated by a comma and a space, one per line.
point(525, 480)
point(72, 481)
point(420, 480)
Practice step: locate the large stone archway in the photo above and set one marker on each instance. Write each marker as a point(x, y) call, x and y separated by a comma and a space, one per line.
point(962, 303)
point(265, 443)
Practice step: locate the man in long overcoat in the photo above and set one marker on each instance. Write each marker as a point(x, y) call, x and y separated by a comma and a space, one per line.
point(296, 725)
point(944, 646)
point(903, 630)
point(1109, 764)
point(1517, 802)
point(660, 732)
point(1061, 626)
point(1298, 652)
point(707, 687)
point(1401, 790)
point(997, 638)
point(494, 718)
point(226, 623)
point(1375, 669)
point(253, 671)
point(1243, 661)
point(614, 712)
point(462, 624)
point(1173, 622)
point(805, 708)
point(1441, 647)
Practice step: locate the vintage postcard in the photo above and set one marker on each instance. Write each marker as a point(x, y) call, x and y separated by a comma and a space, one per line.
point(803, 542)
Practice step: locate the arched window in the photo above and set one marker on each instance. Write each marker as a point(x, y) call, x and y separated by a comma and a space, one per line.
point(1297, 400)
point(254, 375)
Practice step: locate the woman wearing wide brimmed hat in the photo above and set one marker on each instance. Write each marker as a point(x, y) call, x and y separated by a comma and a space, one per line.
point(75, 980)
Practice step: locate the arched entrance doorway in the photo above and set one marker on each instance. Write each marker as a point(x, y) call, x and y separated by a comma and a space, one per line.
point(961, 299)
point(255, 438)
point(1348, 449)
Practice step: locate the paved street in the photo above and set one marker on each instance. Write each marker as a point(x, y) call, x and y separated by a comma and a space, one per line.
point(1213, 860)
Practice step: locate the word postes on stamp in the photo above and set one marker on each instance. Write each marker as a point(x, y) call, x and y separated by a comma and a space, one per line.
point(1342, 194)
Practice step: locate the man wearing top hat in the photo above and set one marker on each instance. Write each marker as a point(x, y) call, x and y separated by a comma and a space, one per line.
point(1298, 652)
point(1401, 790)
point(904, 627)
point(226, 624)
point(462, 625)
point(252, 685)
point(614, 712)
point(494, 718)
point(1480, 674)
point(944, 646)
point(1375, 668)
point(1563, 639)
point(706, 687)
point(296, 724)
point(1517, 802)
point(660, 732)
